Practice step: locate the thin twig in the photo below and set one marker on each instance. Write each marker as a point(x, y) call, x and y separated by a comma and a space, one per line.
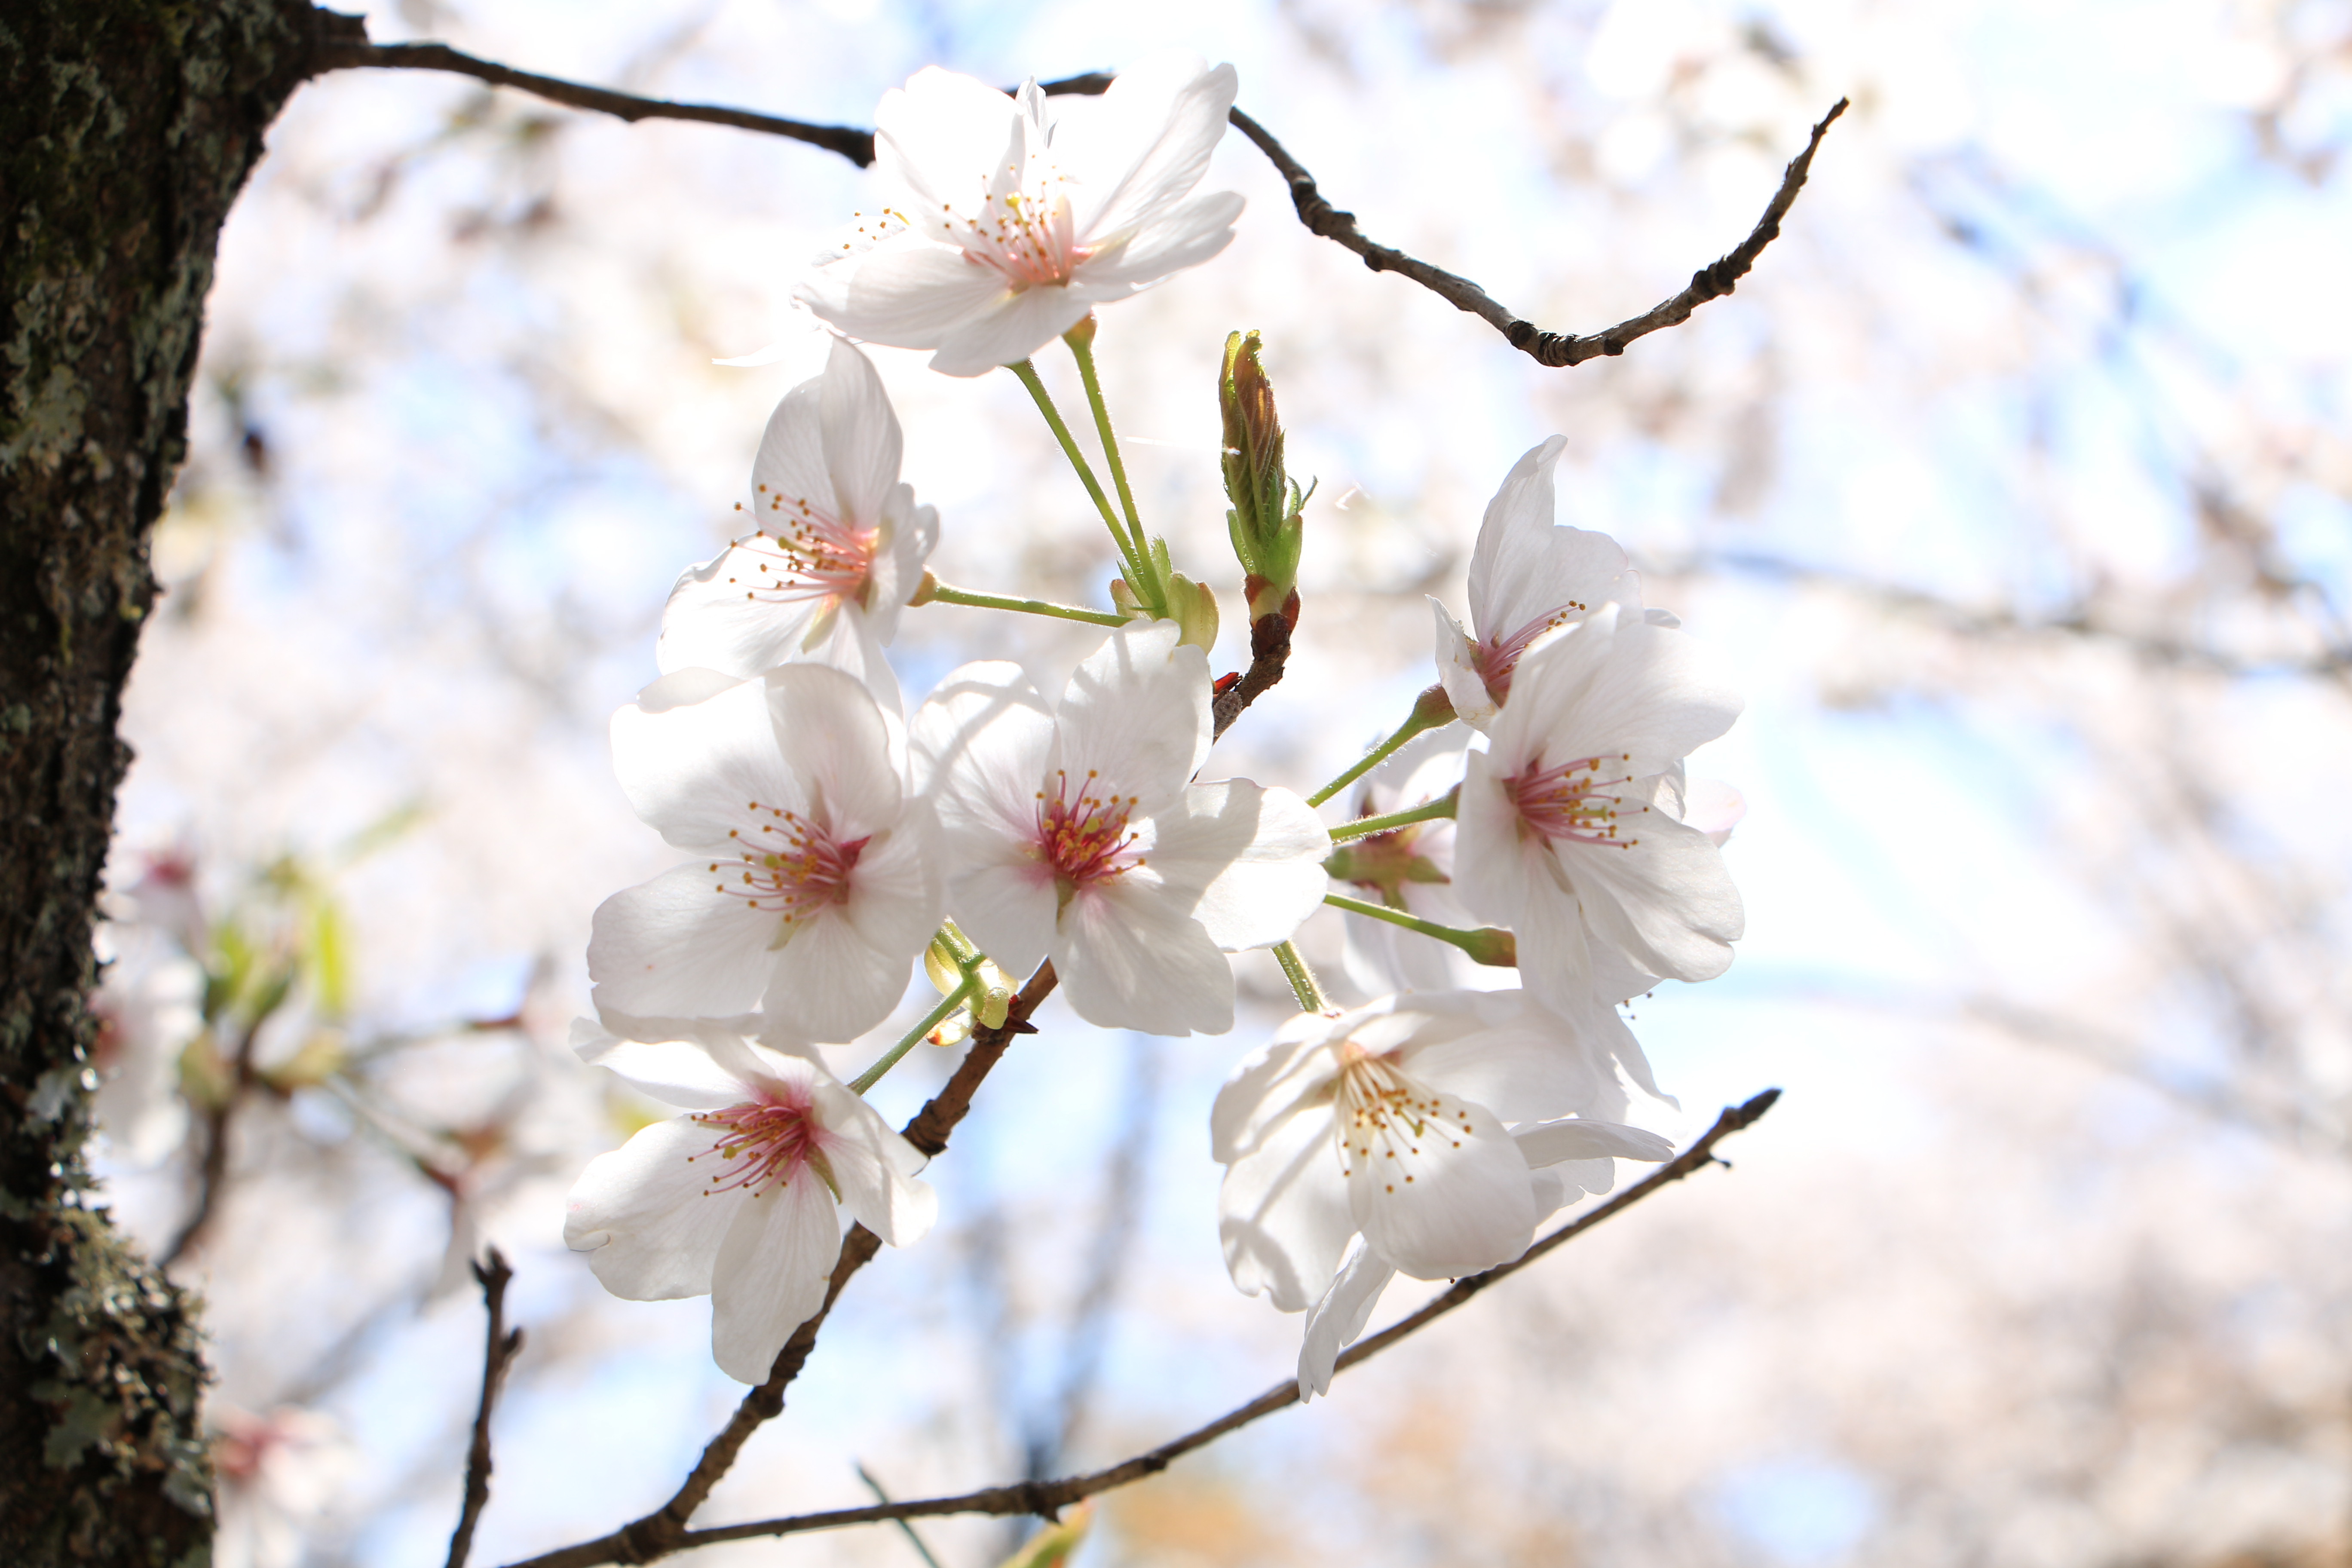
point(498, 1354)
point(664, 1531)
point(211, 1176)
point(1554, 349)
point(1046, 1499)
point(913, 1539)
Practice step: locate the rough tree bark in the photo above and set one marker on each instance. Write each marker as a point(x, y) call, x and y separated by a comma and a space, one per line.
point(126, 128)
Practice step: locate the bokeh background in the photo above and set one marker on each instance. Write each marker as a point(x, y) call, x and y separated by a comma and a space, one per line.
point(2014, 482)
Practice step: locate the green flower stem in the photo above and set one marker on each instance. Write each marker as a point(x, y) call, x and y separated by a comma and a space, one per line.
point(932, 1020)
point(1128, 550)
point(1487, 944)
point(1302, 980)
point(1365, 827)
point(942, 594)
point(1415, 723)
point(1082, 347)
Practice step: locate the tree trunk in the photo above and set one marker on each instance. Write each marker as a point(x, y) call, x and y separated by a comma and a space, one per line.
point(126, 127)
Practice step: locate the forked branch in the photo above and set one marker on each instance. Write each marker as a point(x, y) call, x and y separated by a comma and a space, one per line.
point(498, 1355)
point(342, 48)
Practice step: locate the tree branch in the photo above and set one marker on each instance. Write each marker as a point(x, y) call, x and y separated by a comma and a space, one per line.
point(340, 52)
point(1048, 1497)
point(498, 1355)
point(664, 1531)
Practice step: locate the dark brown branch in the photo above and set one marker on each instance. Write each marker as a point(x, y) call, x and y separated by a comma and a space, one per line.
point(498, 1354)
point(1269, 654)
point(1554, 349)
point(851, 143)
point(1046, 1499)
point(664, 1530)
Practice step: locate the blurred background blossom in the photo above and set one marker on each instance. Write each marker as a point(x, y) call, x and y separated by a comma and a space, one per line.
point(2014, 480)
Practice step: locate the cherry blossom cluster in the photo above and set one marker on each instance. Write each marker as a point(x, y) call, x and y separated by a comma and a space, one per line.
point(1528, 856)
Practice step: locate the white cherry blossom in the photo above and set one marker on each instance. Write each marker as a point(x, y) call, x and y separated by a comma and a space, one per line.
point(1529, 577)
point(1567, 830)
point(741, 1200)
point(1389, 1121)
point(814, 881)
point(1573, 1157)
point(1005, 220)
point(1076, 833)
point(836, 548)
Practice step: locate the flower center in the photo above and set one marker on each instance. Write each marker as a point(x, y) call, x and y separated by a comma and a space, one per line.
point(1385, 862)
point(1573, 802)
point(1026, 235)
point(1498, 657)
point(1380, 1115)
point(1085, 840)
point(800, 553)
point(763, 1145)
point(787, 865)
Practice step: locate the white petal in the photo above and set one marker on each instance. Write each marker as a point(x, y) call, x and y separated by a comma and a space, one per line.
point(1255, 855)
point(1552, 1142)
point(1526, 567)
point(909, 533)
point(1457, 670)
point(1186, 236)
point(1444, 1195)
point(1289, 1074)
point(690, 771)
point(908, 292)
point(940, 137)
point(872, 1166)
point(1160, 120)
point(1665, 900)
point(1007, 908)
point(1129, 957)
point(680, 947)
point(1137, 713)
point(1335, 1322)
point(676, 1072)
point(790, 469)
point(1520, 1060)
point(830, 728)
point(1281, 1213)
point(862, 441)
point(980, 744)
point(645, 1215)
point(1008, 328)
point(772, 1274)
point(1609, 687)
point(829, 983)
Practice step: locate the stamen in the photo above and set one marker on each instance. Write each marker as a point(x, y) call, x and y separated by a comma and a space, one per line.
point(772, 1140)
point(1085, 840)
point(803, 555)
point(787, 865)
point(1378, 1111)
point(1573, 802)
point(1497, 659)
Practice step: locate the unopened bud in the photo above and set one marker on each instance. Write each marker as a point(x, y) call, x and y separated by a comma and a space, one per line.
point(1265, 520)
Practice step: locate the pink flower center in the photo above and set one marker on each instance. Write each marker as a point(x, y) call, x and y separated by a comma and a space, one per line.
point(800, 554)
point(1024, 235)
point(1573, 802)
point(763, 1145)
point(1085, 840)
point(787, 865)
point(1498, 657)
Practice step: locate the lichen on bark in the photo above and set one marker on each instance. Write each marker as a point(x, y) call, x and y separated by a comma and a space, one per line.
point(126, 132)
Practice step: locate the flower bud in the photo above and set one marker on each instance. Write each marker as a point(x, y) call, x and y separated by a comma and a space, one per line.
point(1265, 519)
